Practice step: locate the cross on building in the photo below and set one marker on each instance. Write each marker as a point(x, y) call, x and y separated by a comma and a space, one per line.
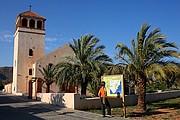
point(30, 7)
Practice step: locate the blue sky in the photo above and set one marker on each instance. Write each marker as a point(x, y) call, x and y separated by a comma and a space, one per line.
point(111, 21)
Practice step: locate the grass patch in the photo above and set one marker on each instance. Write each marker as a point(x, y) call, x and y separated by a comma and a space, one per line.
point(154, 109)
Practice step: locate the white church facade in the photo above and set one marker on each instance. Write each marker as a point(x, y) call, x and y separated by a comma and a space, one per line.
point(29, 54)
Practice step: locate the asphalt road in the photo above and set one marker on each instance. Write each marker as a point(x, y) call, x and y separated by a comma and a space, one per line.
point(13, 108)
point(21, 108)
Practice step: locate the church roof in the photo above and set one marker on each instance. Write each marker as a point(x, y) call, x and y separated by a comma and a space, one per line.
point(57, 55)
point(60, 50)
point(31, 14)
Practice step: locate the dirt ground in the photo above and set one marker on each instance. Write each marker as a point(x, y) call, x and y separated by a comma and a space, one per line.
point(160, 114)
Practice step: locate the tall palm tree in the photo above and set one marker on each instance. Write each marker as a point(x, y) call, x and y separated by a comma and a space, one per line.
point(172, 76)
point(146, 58)
point(49, 73)
point(88, 57)
point(67, 74)
point(94, 83)
point(114, 69)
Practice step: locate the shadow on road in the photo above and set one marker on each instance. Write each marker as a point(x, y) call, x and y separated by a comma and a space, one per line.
point(21, 108)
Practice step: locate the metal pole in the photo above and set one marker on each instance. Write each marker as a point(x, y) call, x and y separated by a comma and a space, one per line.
point(123, 99)
point(124, 107)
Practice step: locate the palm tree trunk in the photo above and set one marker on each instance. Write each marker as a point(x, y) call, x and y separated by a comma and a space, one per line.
point(48, 89)
point(83, 88)
point(141, 95)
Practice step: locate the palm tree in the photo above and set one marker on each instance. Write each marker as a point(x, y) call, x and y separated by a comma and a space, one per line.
point(172, 76)
point(147, 58)
point(114, 69)
point(67, 74)
point(88, 57)
point(94, 85)
point(49, 73)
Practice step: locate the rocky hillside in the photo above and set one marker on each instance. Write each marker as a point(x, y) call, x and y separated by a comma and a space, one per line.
point(6, 73)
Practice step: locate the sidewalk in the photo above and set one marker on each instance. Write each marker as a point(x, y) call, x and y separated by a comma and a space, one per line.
point(63, 111)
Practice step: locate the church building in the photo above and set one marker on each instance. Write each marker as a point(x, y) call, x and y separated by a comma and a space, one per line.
point(29, 54)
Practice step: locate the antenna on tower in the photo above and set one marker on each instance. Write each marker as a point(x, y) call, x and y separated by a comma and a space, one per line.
point(30, 7)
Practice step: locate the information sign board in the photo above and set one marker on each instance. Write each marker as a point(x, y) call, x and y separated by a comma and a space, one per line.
point(114, 85)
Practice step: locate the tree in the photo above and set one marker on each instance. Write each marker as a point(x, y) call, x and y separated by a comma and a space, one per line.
point(49, 74)
point(94, 83)
point(88, 57)
point(171, 78)
point(147, 58)
point(67, 74)
point(112, 69)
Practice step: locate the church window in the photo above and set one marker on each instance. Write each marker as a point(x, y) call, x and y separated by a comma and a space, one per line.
point(30, 71)
point(32, 23)
point(30, 52)
point(39, 24)
point(24, 22)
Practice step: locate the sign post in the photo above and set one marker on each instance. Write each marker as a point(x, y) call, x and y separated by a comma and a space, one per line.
point(124, 103)
point(115, 88)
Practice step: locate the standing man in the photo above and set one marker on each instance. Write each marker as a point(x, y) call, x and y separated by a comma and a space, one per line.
point(104, 101)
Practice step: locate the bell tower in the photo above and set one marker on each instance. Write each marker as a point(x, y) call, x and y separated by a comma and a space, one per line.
point(29, 46)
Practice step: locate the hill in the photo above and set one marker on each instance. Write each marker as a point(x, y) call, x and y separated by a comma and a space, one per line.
point(6, 73)
point(6, 76)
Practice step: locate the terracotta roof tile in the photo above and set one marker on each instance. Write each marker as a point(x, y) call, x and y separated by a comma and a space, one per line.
point(31, 14)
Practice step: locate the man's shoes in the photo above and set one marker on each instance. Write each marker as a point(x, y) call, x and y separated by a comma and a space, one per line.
point(109, 116)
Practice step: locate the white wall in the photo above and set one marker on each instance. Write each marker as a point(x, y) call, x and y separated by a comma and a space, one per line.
point(61, 99)
point(73, 100)
point(8, 88)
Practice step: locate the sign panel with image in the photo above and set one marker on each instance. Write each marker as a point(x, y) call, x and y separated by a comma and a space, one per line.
point(114, 85)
